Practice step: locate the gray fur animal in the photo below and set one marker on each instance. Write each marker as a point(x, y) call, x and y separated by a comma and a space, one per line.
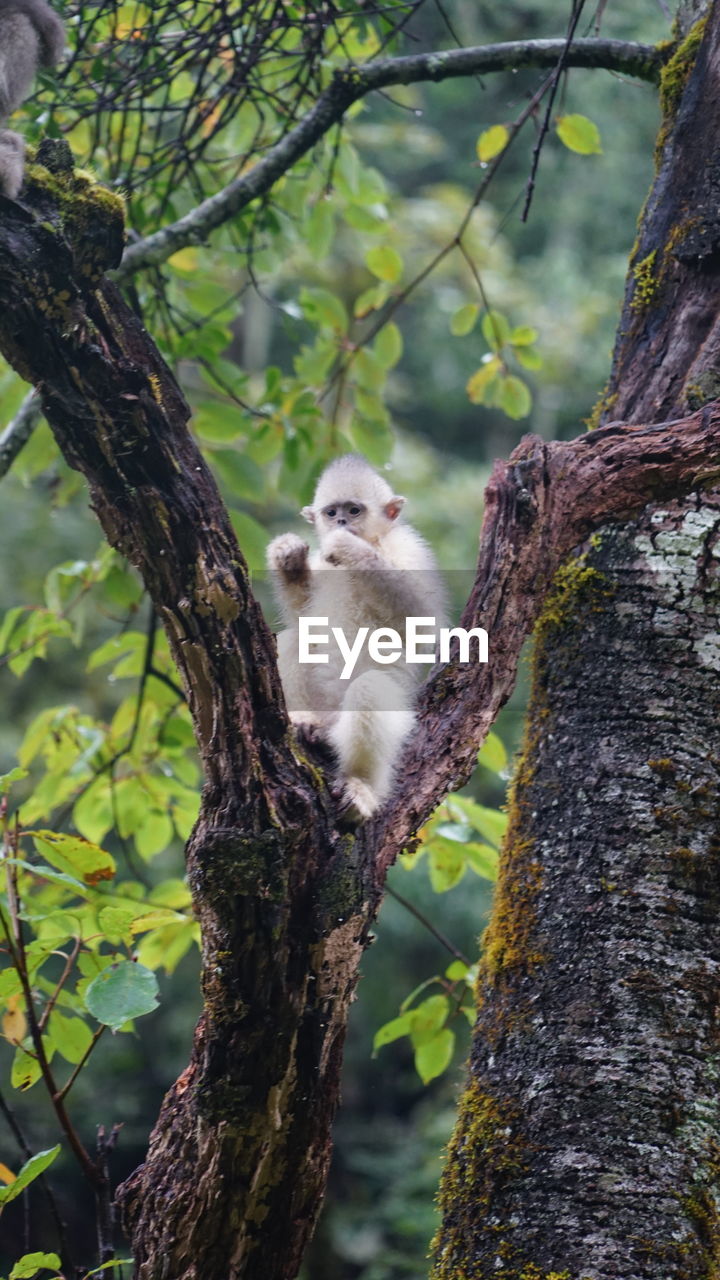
point(31, 36)
point(371, 570)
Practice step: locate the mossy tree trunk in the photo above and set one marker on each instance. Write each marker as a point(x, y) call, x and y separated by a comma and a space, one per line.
point(588, 1140)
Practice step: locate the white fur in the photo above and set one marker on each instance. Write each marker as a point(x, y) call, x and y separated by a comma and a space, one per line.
point(31, 35)
point(376, 575)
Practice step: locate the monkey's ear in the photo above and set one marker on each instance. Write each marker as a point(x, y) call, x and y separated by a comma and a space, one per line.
point(394, 507)
point(308, 514)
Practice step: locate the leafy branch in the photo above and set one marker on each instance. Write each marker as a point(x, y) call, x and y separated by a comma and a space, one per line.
point(349, 85)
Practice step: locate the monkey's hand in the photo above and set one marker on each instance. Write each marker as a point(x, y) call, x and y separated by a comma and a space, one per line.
point(288, 556)
point(350, 551)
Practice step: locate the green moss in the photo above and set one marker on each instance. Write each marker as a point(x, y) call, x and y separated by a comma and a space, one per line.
point(90, 218)
point(647, 282)
point(485, 1153)
point(673, 78)
point(674, 75)
point(576, 589)
point(602, 406)
point(705, 388)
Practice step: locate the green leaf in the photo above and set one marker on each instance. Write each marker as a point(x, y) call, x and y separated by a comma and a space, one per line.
point(24, 1073)
point(29, 1172)
point(154, 834)
point(242, 476)
point(165, 948)
point(13, 776)
point(491, 142)
point(495, 329)
point(464, 319)
point(362, 219)
point(481, 384)
point(523, 336)
point(123, 991)
point(456, 970)
point(434, 1056)
point(514, 398)
point(218, 421)
point(367, 370)
point(371, 438)
point(370, 300)
point(325, 309)
point(388, 346)
point(579, 134)
point(528, 358)
point(75, 854)
point(491, 823)
point(493, 754)
point(31, 1263)
point(385, 263)
point(427, 1018)
point(483, 860)
point(447, 863)
point(72, 1037)
point(320, 228)
point(392, 1030)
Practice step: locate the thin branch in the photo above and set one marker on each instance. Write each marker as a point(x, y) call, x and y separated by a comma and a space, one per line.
point(352, 83)
point(16, 946)
point(67, 970)
point(427, 924)
point(27, 1154)
point(18, 431)
point(561, 64)
point(62, 1093)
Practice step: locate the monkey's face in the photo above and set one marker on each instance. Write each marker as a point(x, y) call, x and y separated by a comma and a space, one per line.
point(351, 515)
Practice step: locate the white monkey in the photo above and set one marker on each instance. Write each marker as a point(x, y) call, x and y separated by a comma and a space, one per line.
point(31, 36)
point(373, 571)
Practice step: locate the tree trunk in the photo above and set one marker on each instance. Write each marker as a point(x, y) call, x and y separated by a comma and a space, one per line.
point(588, 1138)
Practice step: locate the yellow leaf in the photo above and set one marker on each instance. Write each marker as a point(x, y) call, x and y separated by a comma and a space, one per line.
point(491, 142)
point(481, 382)
point(6, 1175)
point(14, 1022)
point(579, 134)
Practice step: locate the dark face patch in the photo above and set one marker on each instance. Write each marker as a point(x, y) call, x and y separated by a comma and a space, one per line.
point(344, 515)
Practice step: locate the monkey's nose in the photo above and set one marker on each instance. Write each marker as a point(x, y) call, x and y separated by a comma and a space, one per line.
point(341, 521)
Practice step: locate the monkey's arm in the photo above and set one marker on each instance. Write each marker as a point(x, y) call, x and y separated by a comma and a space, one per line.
point(395, 592)
point(287, 560)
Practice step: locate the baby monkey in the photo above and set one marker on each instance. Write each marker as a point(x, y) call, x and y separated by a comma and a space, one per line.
point(31, 36)
point(370, 571)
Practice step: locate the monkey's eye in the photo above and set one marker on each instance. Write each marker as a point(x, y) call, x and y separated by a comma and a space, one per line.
point(331, 513)
point(354, 511)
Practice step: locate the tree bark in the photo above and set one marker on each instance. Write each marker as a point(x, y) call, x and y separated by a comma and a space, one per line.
point(588, 1135)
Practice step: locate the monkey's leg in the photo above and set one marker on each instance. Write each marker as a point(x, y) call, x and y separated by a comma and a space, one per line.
point(375, 718)
point(12, 162)
point(294, 679)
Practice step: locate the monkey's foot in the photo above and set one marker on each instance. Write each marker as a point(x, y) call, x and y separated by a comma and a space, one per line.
point(356, 801)
point(310, 732)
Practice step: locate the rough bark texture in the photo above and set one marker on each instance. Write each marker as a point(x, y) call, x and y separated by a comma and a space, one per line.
point(588, 1142)
point(589, 1132)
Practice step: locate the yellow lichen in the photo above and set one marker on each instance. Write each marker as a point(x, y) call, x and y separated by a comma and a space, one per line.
point(647, 282)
